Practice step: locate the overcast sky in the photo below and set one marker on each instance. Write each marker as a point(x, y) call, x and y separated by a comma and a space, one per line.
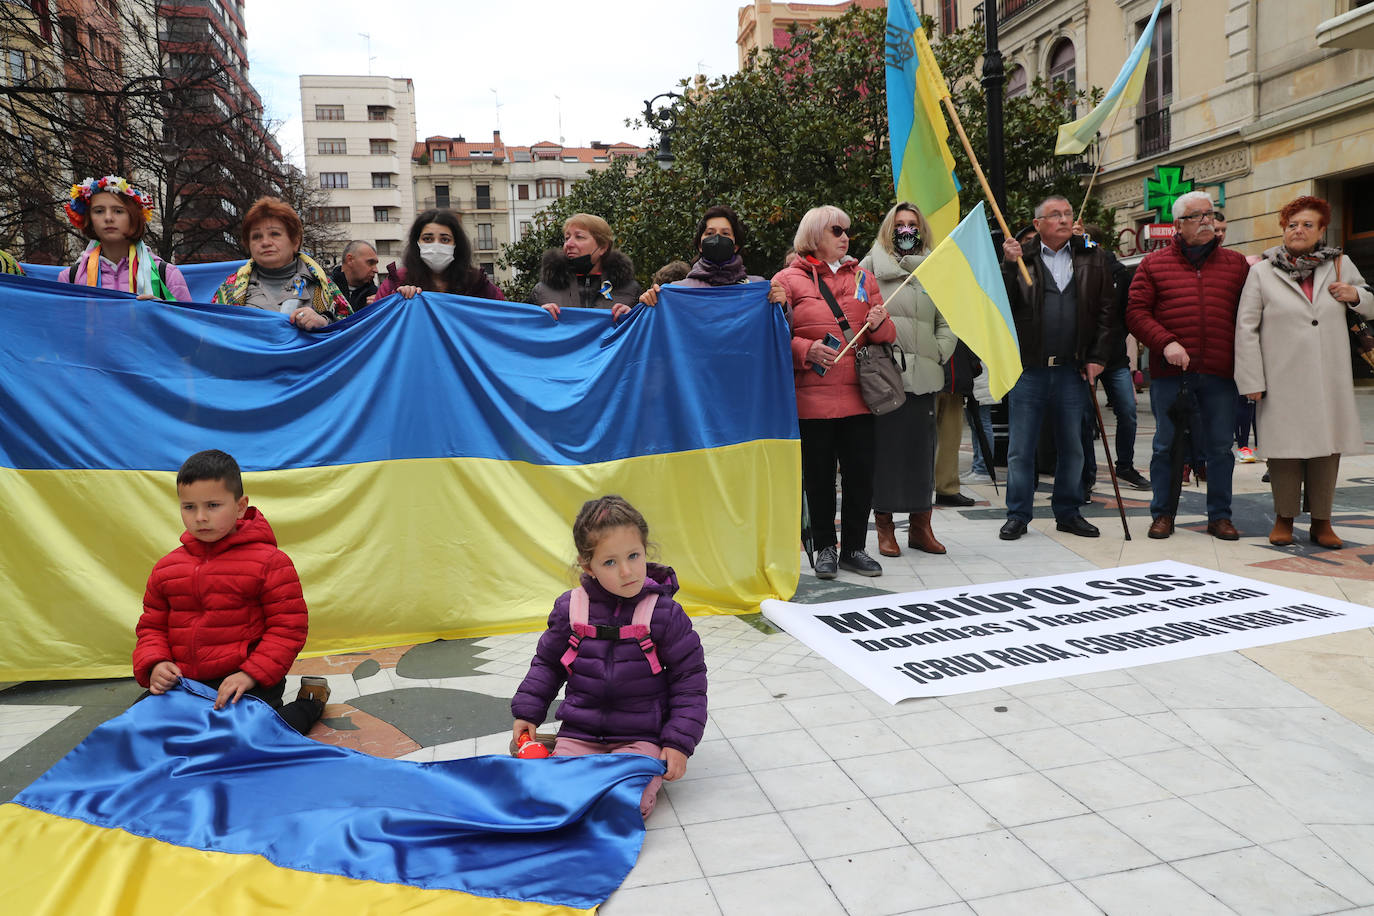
point(603, 59)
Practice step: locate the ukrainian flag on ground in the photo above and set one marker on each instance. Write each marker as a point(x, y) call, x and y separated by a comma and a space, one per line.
point(421, 462)
point(176, 808)
point(922, 166)
point(964, 281)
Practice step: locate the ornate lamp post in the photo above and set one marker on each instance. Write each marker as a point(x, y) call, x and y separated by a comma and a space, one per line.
point(663, 120)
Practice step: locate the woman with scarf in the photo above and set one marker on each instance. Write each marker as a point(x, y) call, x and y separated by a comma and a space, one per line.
point(719, 244)
point(587, 272)
point(1293, 360)
point(904, 465)
point(277, 277)
point(438, 259)
point(114, 216)
point(835, 423)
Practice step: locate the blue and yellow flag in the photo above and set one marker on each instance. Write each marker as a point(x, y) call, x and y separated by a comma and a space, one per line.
point(965, 283)
point(174, 807)
point(922, 165)
point(421, 462)
point(1075, 136)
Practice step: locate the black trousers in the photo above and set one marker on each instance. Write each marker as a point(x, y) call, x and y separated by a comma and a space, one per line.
point(848, 441)
point(299, 714)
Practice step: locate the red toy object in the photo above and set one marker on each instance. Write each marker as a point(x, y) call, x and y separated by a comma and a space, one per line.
point(530, 749)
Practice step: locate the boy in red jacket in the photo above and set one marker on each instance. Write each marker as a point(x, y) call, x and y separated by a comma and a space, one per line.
point(225, 608)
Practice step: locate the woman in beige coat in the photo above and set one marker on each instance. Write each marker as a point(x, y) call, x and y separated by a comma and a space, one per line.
point(904, 464)
point(1293, 359)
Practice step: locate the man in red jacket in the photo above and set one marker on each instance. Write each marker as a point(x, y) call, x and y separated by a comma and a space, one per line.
point(1182, 306)
point(225, 607)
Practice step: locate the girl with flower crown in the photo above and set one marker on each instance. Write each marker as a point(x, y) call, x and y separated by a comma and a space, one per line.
point(114, 216)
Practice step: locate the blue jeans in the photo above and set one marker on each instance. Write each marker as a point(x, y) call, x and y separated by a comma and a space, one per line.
point(1213, 428)
point(1121, 396)
point(980, 461)
point(1059, 394)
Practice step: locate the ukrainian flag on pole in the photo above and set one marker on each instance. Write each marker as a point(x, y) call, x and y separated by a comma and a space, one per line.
point(919, 135)
point(1075, 136)
point(964, 280)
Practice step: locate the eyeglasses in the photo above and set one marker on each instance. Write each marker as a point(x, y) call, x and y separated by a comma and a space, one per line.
point(838, 231)
point(1061, 214)
point(1202, 217)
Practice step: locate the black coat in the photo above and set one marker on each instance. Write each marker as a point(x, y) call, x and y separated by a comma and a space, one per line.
point(1098, 318)
point(358, 297)
point(559, 285)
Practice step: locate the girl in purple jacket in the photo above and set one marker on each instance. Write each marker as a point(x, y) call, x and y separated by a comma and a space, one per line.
point(634, 667)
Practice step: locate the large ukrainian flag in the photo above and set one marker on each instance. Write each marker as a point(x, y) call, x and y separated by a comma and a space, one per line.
point(174, 807)
point(421, 462)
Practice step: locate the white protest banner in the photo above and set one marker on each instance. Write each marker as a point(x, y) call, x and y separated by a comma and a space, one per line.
point(957, 640)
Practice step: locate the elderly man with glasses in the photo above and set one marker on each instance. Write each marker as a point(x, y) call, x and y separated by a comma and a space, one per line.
point(1182, 306)
point(1065, 321)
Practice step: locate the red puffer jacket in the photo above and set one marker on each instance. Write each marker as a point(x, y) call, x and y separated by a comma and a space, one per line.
point(213, 609)
point(835, 394)
point(1171, 300)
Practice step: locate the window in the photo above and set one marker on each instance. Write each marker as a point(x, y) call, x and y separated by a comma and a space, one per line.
point(1016, 83)
point(949, 17)
point(488, 268)
point(484, 197)
point(440, 155)
point(381, 215)
point(17, 69)
point(485, 242)
point(329, 113)
point(525, 227)
point(381, 179)
point(522, 191)
point(549, 187)
point(379, 147)
point(378, 113)
point(330, 214)
point(1158, 90)
point(333, 179)
point(333, 147)
point(1062, 63)
point(441, 196)
point(387, 246)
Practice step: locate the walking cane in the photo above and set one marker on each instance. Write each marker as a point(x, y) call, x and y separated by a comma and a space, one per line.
point(1106, 450)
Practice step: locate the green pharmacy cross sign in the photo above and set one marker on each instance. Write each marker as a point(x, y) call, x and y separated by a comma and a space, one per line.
point(1166, 186)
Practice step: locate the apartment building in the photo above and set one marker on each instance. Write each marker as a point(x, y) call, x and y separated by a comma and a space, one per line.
point(764, 24)
point(542, 173)
point(359, 135)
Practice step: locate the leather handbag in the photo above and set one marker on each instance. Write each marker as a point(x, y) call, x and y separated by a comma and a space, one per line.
point(880, 376)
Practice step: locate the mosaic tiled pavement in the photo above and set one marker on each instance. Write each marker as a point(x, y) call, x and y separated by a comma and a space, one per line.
point(1231, 783)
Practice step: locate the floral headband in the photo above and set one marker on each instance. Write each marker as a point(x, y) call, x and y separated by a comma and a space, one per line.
point(80, 204)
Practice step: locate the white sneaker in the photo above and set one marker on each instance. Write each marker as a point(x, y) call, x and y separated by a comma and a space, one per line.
point(971, 477)
point(1244, 455)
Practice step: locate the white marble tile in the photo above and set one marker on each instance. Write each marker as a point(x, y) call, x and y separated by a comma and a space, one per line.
point(807, 785)
point(683, 898)
point(1026, 798)
point(1314, 858)
point(1106, 784)
point(1354, 842)
point(774, 892)
point(745, 692)
point(713, 758)
point(779, 749)
point(1132, 699)
point(896, 771)
point(718, 797)
point(1150, 891)
point(858, 738)
point(1047, 748)
point(969, 761)
point(1004, 716)
point(936, 814)
point(801, 684)
point(755, 719)
point(1074, 706)
point(934, 726)
point(842, 829)
point(987, 864)
point(1253, 880)
point(1058, 899)
point(665, 858)
point(1173, 829)
point(1083, 846)
point(816, 712)
point(1252, 813)
point(743, 844)
point(1124, 737)
point(886, 882)
point(1186, 772)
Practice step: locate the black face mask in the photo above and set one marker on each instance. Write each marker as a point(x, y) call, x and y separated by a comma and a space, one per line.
point(907, 239)
point(581, 265)
point(717, 249)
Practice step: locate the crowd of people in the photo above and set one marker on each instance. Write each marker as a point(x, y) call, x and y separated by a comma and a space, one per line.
point(1234, 343)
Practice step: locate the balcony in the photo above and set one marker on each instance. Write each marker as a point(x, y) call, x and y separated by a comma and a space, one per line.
point(1354, 29)
point(1081, 166)
point(1007, 9)
point(1152, 134)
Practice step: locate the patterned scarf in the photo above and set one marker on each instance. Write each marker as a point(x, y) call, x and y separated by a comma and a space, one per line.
point(731, 272)
point(320, 298)
point(1300, 267)
point(143, 280)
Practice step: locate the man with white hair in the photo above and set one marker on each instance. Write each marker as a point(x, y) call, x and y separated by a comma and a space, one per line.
point(1182, 306)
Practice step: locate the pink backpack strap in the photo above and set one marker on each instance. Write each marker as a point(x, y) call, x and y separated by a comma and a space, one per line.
point(639, 627)
point(577, 621)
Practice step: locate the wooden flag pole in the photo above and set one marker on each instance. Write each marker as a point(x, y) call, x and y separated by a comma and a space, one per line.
point(852, 341)
point(987, 192)
point(1101, 154)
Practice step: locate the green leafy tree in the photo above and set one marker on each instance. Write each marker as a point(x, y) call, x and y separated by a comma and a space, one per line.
point(795, 128)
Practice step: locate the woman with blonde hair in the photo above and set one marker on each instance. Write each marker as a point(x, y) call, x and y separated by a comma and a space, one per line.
point(904, 462)
point(1293, 361)
point(835, 423)
point(587, 272)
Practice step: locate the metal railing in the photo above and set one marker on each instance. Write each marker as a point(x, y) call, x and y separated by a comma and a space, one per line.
point(1006, 9)
point(1152, 134)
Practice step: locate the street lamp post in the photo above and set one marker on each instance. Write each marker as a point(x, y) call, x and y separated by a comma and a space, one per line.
point(664, 120)
point(994, 77)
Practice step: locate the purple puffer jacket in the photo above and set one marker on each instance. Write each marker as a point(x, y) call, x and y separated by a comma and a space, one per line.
point(612, 696)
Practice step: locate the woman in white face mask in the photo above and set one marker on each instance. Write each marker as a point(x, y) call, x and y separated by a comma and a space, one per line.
point(438, 259)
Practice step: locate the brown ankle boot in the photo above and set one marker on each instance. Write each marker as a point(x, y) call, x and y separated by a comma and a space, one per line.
point(887, 535)
point(1322, 534)
point(1282, 535)
point(920, 536)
